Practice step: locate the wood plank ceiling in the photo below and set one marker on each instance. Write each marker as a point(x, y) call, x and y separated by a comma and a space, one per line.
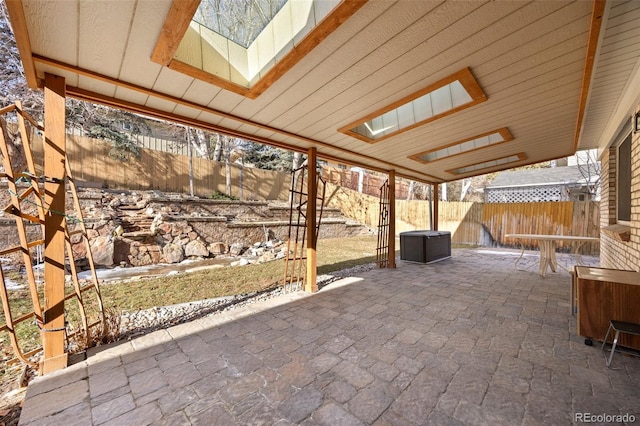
point(528, 57)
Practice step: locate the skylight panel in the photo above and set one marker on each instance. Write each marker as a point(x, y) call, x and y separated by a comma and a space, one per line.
point(245, 46)
point(449, 95)
point(475, 168)
point(473, 143)
point(240, 21)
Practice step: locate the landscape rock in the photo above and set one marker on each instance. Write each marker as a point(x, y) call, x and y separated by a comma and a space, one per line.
point(155, 225)
point(241, 262)
point(196, 248)
point(102, 250)
point(237, 249)
point(267, 257)
point(142, 259)
point(173, 253)
point(257, 251)
point(164, 228)
point(217, 248)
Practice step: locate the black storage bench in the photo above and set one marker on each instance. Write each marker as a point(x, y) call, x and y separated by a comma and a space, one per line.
point(425, 246)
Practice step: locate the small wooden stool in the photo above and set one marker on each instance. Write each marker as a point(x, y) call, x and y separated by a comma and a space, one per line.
point(619, 327)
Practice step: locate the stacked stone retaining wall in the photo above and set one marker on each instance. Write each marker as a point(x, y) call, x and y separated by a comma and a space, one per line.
point(147, 227)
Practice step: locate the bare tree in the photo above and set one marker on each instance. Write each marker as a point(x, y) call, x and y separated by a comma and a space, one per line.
point(238, 20)
point(411, 193)
point(297, 160)
point(465, 184)
point(217, 151)
point(14, 84)
point(200, 141)
point(591, 170)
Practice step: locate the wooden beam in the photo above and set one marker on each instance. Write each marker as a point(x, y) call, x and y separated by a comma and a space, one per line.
point(464, 76)
point(207, 77)
point(597, 13)
point(343, 11)
point(54, 223)
point(392, 220)
point(435, 206)
point(21, 34)
point(175, 26)
point(90, 96)
point(311, 285)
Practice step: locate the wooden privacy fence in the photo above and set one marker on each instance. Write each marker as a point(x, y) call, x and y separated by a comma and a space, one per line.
point(469, 223)
point(362, 181)
point(579, 218)
point(482, 224)
point(91, 163)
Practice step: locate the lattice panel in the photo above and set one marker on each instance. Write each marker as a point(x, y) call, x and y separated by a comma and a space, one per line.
point(532, 194)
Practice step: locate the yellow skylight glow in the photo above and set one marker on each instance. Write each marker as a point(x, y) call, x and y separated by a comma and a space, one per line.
point(493, 164)
point(449, 95)
point(492, 138)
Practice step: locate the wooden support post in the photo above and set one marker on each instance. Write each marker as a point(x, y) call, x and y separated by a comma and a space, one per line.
point(435, 207)
point(392, 220)
point(55, 357)
point(312, 195)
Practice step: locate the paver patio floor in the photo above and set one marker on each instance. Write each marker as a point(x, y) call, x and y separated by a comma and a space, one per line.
point(468, 340)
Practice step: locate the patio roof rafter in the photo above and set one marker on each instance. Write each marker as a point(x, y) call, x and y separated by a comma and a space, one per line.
point(592, 49)
point(340, 67)
point(21, 33)
point(173, 30)
point(116, 103)
point(177, 24)
point(89, 96)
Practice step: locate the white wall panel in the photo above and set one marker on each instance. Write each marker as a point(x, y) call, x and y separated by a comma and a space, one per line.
point(105, 26)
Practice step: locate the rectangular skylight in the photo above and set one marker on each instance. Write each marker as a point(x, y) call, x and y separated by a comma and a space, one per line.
point(474, 168)
point(238, 21)
point(473, 143)
point(451, 94)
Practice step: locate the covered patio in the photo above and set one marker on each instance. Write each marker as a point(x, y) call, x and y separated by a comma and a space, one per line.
point(428, 91)
point(468, 340)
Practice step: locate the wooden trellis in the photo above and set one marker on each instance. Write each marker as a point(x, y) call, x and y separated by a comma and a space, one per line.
point(295, 261)
point(90, 309)
point(382, 249)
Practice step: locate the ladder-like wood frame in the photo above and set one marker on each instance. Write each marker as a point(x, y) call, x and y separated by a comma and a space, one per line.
point(382, 249)
point(84, 332)
point(295, 260)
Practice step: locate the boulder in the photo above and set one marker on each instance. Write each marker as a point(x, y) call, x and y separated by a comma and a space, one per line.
point(196, 248)
point(143, 259)
point(173, 253)
point(156, 224)
point(217, 248)
point(182, 240)
point(164, 228)
point(102, 250)
point(266, 257)
point(237, 249)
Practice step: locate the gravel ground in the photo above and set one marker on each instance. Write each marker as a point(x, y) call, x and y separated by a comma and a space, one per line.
point(136, 323)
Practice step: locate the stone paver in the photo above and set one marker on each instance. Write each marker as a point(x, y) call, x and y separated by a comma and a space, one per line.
point(465, 341)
